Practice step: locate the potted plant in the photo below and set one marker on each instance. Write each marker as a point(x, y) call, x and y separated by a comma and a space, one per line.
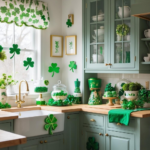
point(122, 30)
point(131, 90)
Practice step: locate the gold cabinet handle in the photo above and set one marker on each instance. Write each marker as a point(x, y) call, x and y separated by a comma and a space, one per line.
point(106, 134)
point(109, 64)
point(119, 124)
point(41, 142)
point(68, 117)
point(45, 141)
point(92, 120)
point(106, 64)
point(100, 134)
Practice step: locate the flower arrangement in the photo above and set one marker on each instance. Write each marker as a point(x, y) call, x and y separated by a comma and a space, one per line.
point(3, 106)
point(132, 86)
point(6, 80)
point(110, 91)
point(122, 29)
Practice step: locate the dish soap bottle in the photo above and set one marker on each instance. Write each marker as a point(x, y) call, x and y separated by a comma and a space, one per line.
point(77, 93)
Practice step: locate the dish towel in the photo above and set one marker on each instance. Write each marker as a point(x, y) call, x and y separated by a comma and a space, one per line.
point(121, 115)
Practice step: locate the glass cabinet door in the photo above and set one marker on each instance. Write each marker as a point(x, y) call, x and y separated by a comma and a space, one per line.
point(122, 41)
point(96, 33)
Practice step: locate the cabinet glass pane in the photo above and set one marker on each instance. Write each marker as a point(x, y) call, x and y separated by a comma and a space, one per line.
point(100, 10)
point(93, 33)
point(100, 51)
point(100, 32)
point(118, 53)
point(93, 53)
point(128, 23)
point(126, 50)
point(118, 6)
point(93, 13)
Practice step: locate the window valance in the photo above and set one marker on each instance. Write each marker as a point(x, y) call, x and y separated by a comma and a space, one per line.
point(28, 12)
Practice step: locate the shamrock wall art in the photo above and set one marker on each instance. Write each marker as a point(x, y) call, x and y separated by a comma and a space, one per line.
point(53, 69)
point(72, 65)
point(70, 20)
point(51, 123)
point(14, 50)
point(28, 63)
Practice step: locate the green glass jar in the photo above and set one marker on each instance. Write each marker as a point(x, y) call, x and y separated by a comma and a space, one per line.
point(94, 83)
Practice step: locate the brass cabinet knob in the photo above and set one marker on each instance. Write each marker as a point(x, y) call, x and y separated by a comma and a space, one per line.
point(119, 124)
point(68, 117)
point(41, 142)
point(92, 120)
point(100, 134)
point(106, 64)
point(109, 64)
point(106, 134)
point(45, 141)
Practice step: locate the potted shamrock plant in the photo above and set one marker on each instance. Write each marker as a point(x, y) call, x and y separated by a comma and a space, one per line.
point(131, 90)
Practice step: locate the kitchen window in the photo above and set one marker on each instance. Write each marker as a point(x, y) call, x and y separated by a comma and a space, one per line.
point(25, 37)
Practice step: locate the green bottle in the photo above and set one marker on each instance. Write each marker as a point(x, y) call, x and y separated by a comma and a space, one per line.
point(77, 93)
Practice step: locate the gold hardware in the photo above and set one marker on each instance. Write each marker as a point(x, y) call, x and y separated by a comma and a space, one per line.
point(100, 134)
point(41, 142)
point(147, 85)
point(106, 134)
point(45, 141)
point(119, 124)
point(106, 64)
point(135, 58)
point(68, 117)
point(109, 64)
point(19, 113)
point(92, 120)
point(86, 59)
point(19, 102)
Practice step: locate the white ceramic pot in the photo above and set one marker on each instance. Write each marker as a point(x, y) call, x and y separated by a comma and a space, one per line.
point(147, 33)
point(146, 59)
point(127, 12)
point(100, 31)
point(131, 95)
point(119, 38)
point(3, 96)
point(10, 90)
point(128, 37)
point(100, 58)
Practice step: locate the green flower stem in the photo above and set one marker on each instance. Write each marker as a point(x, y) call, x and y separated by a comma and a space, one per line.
point(27, 67)
point(12, 56)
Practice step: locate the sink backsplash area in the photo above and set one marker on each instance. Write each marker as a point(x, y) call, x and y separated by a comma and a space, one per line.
point(114, 78)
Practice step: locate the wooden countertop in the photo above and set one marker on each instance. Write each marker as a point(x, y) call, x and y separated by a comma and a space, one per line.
point(8, 139)
point(101, 109)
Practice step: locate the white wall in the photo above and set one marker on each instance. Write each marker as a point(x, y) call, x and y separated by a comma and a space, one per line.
point(68, 77)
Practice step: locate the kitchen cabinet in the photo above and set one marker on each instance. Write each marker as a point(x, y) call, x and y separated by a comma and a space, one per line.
point(6, 125)
point(71, 133)
point(104, 50)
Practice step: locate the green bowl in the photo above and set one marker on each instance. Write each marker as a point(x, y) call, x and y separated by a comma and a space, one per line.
point(94, 83)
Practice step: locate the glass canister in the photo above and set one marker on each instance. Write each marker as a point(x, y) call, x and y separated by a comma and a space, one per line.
point(59, 92)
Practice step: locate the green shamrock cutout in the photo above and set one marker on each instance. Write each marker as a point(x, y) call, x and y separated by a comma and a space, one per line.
point(91, 144)
point(14, 50)
point(69, 23)
point(1, 48)
point(72, 65)
point(28, 63)
point(51, 123)
point(53, 68)
point(43, 17)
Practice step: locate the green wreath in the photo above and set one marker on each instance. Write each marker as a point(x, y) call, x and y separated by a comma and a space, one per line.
point(122, 29)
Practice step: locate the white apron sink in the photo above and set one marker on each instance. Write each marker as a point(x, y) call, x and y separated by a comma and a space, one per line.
point(31, 123)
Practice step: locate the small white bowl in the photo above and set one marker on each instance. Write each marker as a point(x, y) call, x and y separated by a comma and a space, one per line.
point(146, 59)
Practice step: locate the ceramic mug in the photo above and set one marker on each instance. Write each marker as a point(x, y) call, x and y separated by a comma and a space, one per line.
point(147, 33)
point(146, 59)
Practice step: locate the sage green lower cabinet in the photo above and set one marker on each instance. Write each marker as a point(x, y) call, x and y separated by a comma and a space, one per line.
point(6, 125)
point(71, 133)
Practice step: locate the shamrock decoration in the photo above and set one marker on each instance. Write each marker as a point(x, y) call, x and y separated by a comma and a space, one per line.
point(69, 23)
point(53, 68)
point(72, 65)
point(28, 63)
point(51, 123)
point(43, 17)
point(14, 50)
point(1, 48)
point(91, 144)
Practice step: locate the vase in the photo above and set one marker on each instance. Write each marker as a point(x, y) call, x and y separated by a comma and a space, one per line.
point(3, 96)
point(147, 33)
point(128, 57)
point(119, 38)
point(94, 83)
point(127, 12)
point(10, 90)
point(131, 95)
point(118, 58)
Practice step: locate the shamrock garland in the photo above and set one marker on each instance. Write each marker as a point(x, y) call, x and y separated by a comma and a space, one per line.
point(51, 123)
point(53, 68)
point(91, 144)
point(72, 65)
point(69, 23)
point(14, 50)
point(28, 63)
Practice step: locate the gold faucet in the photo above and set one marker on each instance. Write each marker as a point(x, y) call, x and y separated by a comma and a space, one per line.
point(19, 102)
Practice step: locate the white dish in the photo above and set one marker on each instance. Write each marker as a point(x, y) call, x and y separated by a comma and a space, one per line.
point(99, 18)
point(146, 59)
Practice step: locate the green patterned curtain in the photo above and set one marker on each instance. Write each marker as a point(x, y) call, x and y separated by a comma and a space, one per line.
point(31, 13)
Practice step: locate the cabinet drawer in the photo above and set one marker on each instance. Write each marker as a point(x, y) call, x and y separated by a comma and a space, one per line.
point(93, 119)
point(132, 125)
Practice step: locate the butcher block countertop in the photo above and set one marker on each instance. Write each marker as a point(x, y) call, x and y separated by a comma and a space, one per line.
point(8, 139)
point(6, 114)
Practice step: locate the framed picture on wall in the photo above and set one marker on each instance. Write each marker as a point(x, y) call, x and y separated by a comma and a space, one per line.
point(56, 49)
point(71, 45)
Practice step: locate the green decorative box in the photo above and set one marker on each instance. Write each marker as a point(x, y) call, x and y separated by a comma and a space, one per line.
point(94, 83)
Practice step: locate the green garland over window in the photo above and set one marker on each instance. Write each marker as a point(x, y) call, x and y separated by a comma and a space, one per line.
point(30, 13)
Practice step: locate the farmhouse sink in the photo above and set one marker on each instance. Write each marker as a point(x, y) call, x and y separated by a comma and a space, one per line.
point(31, 123)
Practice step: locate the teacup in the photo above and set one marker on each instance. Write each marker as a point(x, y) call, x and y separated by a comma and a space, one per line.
point(146, 59)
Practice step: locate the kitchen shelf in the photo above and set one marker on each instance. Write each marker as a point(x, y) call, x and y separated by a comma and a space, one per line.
point(145, 39)
point(123, 19)
point(145, 63)
point(99, 22)
point(97, 43)
point(122, 41)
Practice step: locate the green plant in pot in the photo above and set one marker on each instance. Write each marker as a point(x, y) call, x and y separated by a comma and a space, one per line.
point(131, 90)
point(110, 91)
